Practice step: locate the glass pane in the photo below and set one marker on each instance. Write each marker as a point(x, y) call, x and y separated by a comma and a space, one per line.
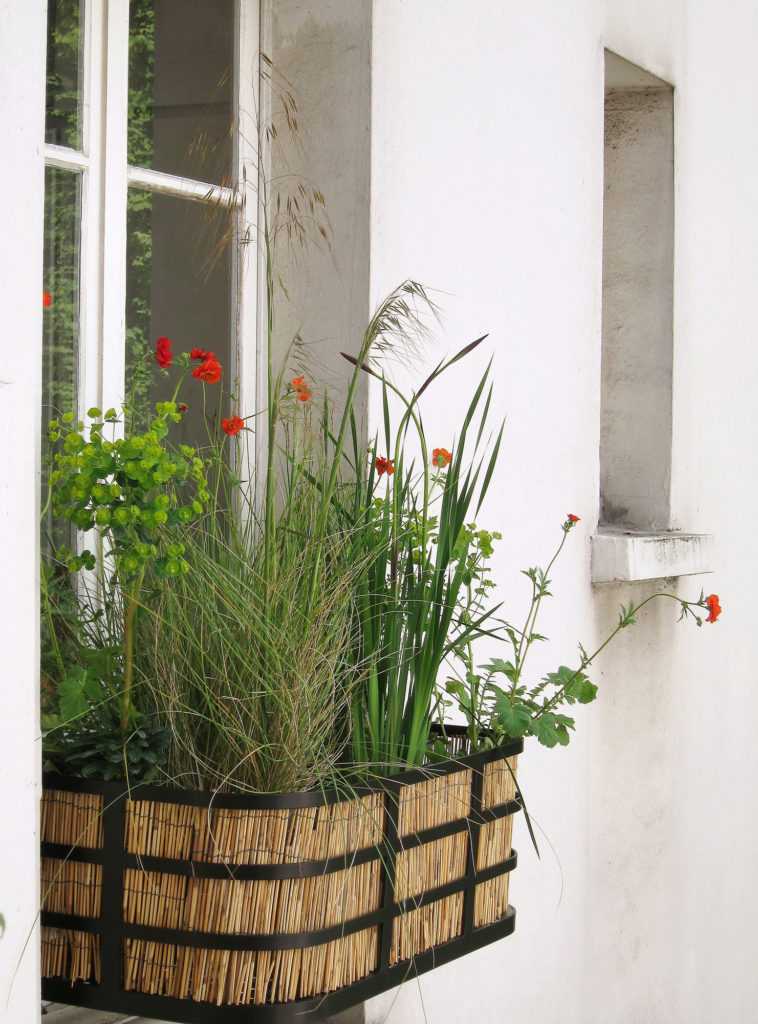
point(181, 59)
point(65, 24)
point(178, 286)
point(60, 303)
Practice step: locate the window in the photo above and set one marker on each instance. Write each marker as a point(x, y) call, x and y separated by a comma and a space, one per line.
point(638, 292)
point(151, 188)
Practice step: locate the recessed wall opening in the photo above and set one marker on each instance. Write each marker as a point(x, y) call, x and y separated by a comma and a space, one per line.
point(638, 292)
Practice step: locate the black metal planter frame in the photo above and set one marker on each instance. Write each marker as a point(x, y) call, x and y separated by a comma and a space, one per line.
point(109, 993)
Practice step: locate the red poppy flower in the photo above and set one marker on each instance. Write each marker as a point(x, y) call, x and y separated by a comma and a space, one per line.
point(714, 608)
point(571, 518)
point(199, 353)
point(209, 370)
point(384, 466)
point(441, 457)
point(163, 356)
point(304, 394)
point(183, 407)
point(298, 382)
point(232, 426)
point(47, 300)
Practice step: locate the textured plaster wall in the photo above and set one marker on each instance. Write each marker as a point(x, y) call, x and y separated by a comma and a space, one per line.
point(487, 183)
point(637, 318)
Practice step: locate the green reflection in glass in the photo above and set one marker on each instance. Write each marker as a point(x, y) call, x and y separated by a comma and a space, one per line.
point(60, 299)
point(65, 24)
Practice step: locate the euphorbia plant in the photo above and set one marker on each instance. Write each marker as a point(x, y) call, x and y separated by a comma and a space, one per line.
point(137, 493)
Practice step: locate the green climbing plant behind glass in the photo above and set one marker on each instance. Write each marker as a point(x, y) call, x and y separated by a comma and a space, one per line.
point(139, 253)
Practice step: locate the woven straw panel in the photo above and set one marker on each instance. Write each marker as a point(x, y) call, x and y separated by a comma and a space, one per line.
point(253, 836)
point(72, 955)
point(425, 867)
point(436, 801)
point(491, 898)
point(499, 784)
point(260, 907)
point(428, 926)
point(227, 977)
point(71, 888)
point(72, 818)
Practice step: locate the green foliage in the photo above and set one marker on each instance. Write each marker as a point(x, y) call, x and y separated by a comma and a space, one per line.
point(494, 698)
point(134, 491)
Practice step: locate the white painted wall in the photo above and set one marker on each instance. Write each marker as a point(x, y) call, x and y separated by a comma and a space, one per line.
point(487, 183)
point(22, 110)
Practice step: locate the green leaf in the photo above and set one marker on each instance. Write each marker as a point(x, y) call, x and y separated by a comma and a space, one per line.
point(506, 668)
point(515, 718)
point(72, 697)
point(582, 690)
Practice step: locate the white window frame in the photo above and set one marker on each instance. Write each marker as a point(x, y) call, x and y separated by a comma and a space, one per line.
point(105, 179)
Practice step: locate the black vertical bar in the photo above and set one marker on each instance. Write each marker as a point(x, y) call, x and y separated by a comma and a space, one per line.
point(389, 858)
point(475, 819)
point(111, 906)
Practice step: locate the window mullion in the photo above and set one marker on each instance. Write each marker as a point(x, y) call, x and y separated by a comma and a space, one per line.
point(248, 292)
point(91, 271)
point(114, 147)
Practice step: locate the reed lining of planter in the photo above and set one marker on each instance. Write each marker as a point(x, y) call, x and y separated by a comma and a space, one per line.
point(173, 903)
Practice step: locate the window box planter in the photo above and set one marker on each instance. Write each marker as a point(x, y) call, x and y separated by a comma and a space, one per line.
point(185, 907)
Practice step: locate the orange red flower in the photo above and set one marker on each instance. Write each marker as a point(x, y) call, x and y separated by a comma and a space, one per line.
point(714, 608)
point(441, 457)
point(209, 371)
point(47, 300)
point(163, 355)
point(384, 466)
point(301, 389)
point(199, 353)
point(232, 426)
point(571, 518)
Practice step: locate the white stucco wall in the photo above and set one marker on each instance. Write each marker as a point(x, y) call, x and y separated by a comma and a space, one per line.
point(22, 113)
point(487, 183)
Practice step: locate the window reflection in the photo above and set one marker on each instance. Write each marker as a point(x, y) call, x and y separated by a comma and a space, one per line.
point(180, 87)
point(65, 21)
point(60, 301)
point(178, 286)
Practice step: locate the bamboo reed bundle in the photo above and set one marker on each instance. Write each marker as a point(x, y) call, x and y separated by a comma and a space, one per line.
point(253, 836)
point(425, 927)
point(491, 897)
point(72, 955)
point(422, 868)
point(226, 906)
point(225, 977)
point(435, 801)
point(499, 782)
point(69, 887)
point(72, 818)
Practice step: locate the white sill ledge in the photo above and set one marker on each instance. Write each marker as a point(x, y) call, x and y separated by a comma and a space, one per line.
point(626, 556)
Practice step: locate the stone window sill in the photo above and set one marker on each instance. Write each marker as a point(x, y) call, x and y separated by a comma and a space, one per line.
point(626, 556)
